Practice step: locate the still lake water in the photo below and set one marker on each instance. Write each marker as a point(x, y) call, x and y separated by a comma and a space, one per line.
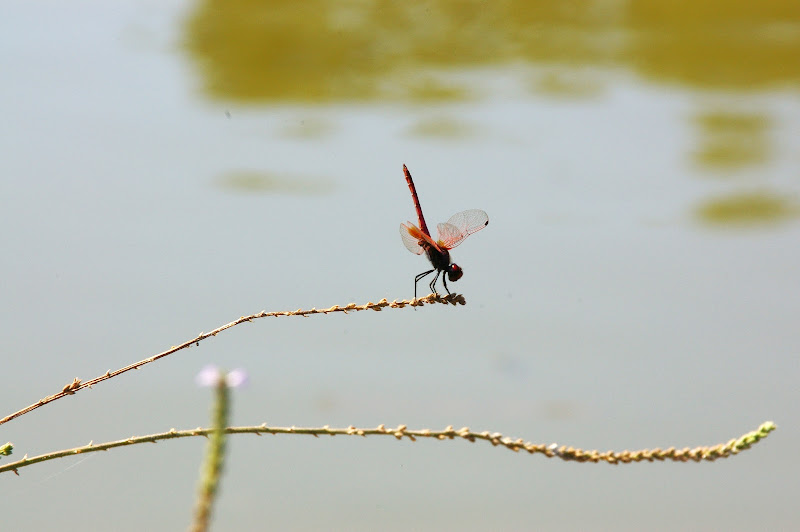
point(170, 166)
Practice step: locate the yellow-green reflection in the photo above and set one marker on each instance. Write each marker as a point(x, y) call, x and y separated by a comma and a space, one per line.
point(572, 83)
point(730, 140)
point(719, 44)
point(261, 182)
point(442, 127)
point(307, 128)
point(747, 209)
point(356, 50)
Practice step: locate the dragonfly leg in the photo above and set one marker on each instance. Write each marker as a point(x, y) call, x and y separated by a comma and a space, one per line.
point(433, 283)
point(417, 278)
point(444, 281)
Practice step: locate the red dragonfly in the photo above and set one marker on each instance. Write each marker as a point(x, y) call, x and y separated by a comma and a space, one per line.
point(451, 234)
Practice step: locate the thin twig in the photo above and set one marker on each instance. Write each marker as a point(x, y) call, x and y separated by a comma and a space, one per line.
point(77, 384)
point(696, 454)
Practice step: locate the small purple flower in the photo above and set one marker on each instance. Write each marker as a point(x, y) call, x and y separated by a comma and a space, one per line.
point(210, 376)
point(236, 378)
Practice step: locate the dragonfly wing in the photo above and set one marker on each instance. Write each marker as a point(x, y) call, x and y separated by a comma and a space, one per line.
point(460, 226)
point(411, 237)
point(449, 235)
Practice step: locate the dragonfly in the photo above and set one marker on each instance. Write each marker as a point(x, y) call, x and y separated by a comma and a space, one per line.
point(418, 240)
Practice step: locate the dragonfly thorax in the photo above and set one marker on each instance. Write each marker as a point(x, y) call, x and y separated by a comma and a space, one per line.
point(440, 258)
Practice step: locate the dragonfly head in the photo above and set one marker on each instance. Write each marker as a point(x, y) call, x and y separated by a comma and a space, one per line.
point(454, 272)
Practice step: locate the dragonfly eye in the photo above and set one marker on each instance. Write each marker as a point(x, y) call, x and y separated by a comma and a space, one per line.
point(454, 272)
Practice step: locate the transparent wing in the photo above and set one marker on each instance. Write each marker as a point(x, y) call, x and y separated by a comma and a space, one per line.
point(460, 226)
point(411, 237)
